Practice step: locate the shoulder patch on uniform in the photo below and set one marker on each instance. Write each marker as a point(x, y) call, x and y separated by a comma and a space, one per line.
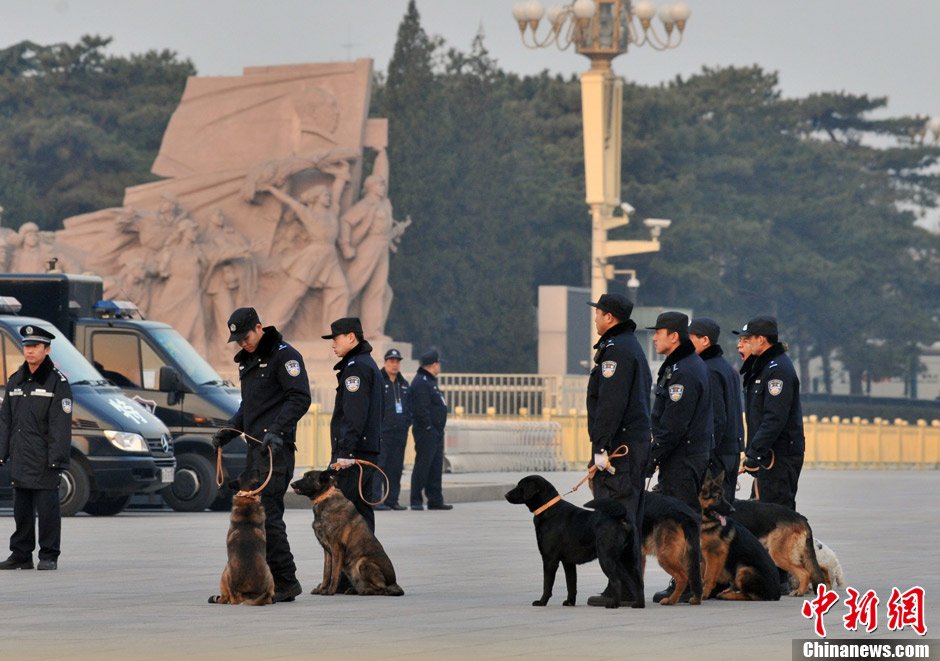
point(675, 392)
point(281, 346)
point(61, 375)
point(772, 364)
point(608, 367)
point(67, 405)
point(775, 387)
point(293, 367)
point(352, 383)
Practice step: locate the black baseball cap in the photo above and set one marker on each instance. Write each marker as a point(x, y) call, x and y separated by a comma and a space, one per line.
point(343, 326)
point(705, 327)
point(616, 304)
point(676, 322)
point(35, 335)
point(242, 321)
point(429, 358)
point(393, 354)
point(763, 325)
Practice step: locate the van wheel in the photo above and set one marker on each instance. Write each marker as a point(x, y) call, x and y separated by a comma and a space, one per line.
point(194, 487)
point(74, 487)
point(107, 506)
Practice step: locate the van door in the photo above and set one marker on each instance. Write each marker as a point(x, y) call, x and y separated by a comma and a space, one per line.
point(12, 357)
point(130, 362)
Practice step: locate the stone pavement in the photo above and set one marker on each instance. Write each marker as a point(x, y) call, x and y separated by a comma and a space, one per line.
point(135, 586)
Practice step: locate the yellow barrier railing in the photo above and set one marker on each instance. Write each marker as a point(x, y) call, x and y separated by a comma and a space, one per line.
point(830, 442)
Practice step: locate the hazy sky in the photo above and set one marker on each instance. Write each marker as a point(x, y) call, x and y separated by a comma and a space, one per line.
point(876, 47)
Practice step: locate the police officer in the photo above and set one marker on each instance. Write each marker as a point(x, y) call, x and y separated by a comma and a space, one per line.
point(775, 441)
point(726, 402)
point(429, 413)
point(35, 436)
point(275, 395)
point(395, 423)
point(356, 426)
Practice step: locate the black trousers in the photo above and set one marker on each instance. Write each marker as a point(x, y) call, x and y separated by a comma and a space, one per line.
point(28, 504)
point(778, 485)
point(429, 465)
point(347, 481)
point(392, 463)
point(626, 484)
point(681, 475)
point(277, 552)
point(729, 464)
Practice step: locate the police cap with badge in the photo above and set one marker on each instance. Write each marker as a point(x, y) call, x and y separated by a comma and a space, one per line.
point(429, 358)
point(393, 354)
point(344, 326)
point(242, 321)
point(674, 322)
point(616, 304)
point(763, 325)
point(35, 335)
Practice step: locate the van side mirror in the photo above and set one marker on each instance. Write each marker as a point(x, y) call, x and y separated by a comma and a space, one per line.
point(172, 383)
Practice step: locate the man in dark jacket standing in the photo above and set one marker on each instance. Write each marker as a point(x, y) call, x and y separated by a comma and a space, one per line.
point(35, 436)
point(356, 426)
point(275, 395)
point(726, 402)
point(775, 441)
point(429, 411)
point(395, 423)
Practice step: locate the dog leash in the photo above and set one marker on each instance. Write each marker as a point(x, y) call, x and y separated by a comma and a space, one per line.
point(591, 471)
point(361, 463)
point(220, 477)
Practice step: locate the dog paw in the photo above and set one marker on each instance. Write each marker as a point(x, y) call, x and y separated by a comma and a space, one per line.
point(540, 602)
point(214, 599)
point(638, 604)
point(695, 601)
point(797, 593)
point(568, 602)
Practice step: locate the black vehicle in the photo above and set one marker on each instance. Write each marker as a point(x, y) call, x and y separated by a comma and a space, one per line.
point(155, 366)
point(118, 447)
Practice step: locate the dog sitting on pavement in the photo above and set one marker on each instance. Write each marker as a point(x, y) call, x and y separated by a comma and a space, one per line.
point(349, 547)
point(671, 532)
point(246, 578)
point(570, 535)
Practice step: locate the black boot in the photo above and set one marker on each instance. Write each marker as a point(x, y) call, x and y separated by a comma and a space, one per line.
point(662, 594)
point(286, 588)
point(13, 563)
point(605, 600)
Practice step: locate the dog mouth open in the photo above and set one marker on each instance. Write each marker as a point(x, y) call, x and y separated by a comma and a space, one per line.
point(717, 516)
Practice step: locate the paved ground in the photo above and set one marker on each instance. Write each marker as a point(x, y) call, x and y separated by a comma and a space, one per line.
point(135, 587)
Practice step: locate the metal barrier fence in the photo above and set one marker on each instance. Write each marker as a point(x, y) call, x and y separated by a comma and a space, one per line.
point(502, 445)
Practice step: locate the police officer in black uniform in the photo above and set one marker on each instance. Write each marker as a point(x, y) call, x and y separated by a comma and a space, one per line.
point(356, 426)
point(395, 423)
point(618, 410)
point(682, 412)
point(275, 395)
point(35, 436)
point(726, 402)
point(429, 412)
point(775, 441)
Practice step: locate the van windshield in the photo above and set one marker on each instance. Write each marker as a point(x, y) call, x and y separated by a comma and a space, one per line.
point(187, 358)
point(70, 361)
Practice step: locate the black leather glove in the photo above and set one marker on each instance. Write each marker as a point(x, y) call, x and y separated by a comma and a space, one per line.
point(273, 441)
point(223, 436)
point(751, 464)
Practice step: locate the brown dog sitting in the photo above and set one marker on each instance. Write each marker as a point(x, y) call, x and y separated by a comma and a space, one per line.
point(246, 578)
point(349, 547)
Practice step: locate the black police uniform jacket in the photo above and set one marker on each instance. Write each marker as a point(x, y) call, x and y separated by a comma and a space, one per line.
point(397, 394)
point(726, 402)
point(429, 408)
point(36, 426)
point(772, 405)
point(682, 408)
point(356, 426)
point(618, 390)
point(275, 393)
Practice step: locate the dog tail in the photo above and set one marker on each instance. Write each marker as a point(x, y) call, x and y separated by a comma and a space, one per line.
point(394, 590)
point(693, 540)
point(812, 563)
point(609, 507)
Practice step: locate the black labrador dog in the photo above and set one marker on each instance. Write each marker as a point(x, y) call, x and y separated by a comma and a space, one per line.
point(570, 535)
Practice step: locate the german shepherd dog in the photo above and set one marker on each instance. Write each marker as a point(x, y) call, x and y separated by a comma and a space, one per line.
point(572, 536)
point(733, 555)
point(246, 578)
point(349, 547)
point(787, 537)
point(671, 532)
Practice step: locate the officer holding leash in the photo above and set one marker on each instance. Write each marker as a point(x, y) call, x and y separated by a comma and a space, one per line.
point(35, 436)
point(275, 395)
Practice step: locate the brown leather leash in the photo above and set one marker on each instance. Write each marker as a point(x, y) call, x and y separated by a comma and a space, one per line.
point(593, 469)
point(220, 476)
point(361, 463)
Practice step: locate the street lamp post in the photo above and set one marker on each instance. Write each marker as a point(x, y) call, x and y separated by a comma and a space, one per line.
point(602, 30)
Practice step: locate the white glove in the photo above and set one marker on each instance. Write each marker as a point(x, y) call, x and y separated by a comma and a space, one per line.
point(346, 462)
point(603, 463)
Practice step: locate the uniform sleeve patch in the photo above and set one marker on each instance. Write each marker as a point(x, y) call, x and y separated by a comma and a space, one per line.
point(352, 383)
point(293, 367)
point(775, 387)
point(67, 405)
point(608, 367)
point(675, 392)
